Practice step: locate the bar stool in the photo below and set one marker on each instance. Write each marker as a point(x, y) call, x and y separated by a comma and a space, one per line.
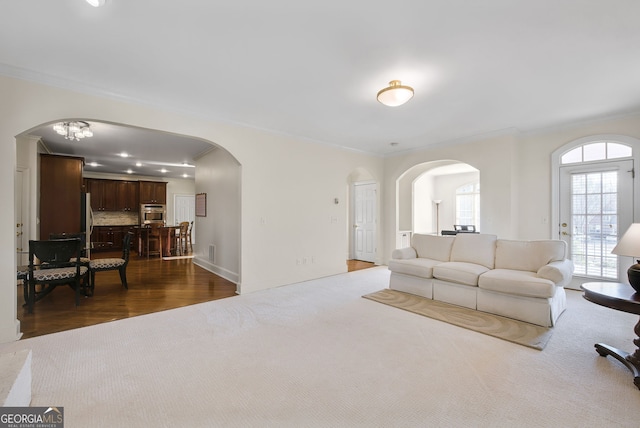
point(182, 237)
point(189, 241)
point(154, 234)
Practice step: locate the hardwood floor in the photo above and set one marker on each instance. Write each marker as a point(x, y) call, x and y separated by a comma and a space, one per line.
point(358, 264)
point(154, 285)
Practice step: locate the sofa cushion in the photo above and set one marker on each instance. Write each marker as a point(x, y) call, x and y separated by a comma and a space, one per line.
point(432, 246)
point(518, 282)
point(528, 255)
point(478, 249)
point(416, 267)
point(459, 272)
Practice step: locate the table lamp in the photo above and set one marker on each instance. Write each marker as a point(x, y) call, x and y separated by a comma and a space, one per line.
point(629, 245)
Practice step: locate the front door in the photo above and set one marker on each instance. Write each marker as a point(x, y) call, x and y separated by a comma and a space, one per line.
point(365, 222)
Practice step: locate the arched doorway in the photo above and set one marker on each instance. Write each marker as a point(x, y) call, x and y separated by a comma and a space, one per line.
point(428, 198)
point(219, 229)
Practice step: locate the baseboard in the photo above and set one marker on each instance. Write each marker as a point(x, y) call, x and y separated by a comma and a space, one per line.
point(220, 271)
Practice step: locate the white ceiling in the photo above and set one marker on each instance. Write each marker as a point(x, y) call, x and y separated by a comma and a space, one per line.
point(312, 69)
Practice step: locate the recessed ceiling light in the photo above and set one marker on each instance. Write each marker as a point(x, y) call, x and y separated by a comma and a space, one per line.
point(124, 155)
point(129, 171)
point(163, 170)
point(185, 175)
point(94, 164)
point(138, 164)
point(96, 3)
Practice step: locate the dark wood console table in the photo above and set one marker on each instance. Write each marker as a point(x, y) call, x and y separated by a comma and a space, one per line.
point(622, 298)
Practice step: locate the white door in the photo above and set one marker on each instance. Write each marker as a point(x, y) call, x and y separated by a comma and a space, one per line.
point(185, 210)
point(596, 208)
point(365, 212)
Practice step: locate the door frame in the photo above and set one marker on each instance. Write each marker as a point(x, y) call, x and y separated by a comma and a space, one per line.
point(555, 182)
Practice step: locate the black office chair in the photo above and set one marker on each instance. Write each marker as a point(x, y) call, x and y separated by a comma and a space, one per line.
point(53, 263)
point(119, 264)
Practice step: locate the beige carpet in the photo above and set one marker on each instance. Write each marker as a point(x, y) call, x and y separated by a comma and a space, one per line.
point(509, 329)
point(316, 354)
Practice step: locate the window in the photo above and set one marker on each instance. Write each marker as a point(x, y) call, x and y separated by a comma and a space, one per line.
point(468, 204)
point(600, 150)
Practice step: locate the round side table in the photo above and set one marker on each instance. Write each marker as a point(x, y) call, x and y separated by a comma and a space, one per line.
point(620, 297)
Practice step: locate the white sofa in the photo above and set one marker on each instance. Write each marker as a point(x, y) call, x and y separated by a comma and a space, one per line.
point(523, 280)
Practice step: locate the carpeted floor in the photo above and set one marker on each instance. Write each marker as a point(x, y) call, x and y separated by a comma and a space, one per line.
point(317, 354)
point(519, 332)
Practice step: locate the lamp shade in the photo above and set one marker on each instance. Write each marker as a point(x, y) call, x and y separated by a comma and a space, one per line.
point(395, 94)
point(629, 244)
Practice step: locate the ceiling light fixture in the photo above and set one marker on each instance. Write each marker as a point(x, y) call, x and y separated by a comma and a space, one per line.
point(96, 3)
point(73, 130)
point(395, 94)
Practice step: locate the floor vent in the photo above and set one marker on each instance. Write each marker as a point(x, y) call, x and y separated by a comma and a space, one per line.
point(212, 253)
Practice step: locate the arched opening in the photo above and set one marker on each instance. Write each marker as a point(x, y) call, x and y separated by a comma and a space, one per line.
point(204, 167)
point(429, 198)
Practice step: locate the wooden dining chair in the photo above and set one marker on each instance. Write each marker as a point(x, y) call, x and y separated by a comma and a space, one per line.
point(113, 263)
point(83, 254)
point(52, 263)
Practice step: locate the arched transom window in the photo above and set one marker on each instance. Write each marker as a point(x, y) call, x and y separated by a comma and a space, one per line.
point(596, 151)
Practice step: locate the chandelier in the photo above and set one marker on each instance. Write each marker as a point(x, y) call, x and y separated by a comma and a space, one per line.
point(73, 130)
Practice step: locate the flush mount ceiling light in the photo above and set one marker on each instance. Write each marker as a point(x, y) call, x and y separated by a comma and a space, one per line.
point(395, 94)
point(73, 130)
point(96, 3)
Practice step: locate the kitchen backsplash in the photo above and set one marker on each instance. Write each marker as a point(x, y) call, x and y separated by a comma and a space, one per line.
point(115, 218)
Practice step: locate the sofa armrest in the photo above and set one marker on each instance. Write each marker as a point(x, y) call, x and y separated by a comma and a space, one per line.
point(559, 272)
point(404, 253)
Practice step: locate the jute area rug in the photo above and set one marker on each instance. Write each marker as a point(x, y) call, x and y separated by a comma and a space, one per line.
point(504, 328)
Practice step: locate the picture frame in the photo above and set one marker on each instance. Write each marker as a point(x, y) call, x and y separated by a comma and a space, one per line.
point(201, 205)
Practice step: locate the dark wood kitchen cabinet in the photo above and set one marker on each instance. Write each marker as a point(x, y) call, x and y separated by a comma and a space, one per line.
point(103, 194)
point(153, 192)
point(113, 195)
point(108, 234)
point(127, 196)
point(61, 188)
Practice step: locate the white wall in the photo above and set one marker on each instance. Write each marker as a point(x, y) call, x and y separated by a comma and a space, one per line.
point(218, 175)
point(288, 186)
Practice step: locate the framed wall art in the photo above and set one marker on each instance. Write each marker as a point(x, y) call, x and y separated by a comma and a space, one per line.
point(201, 205)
